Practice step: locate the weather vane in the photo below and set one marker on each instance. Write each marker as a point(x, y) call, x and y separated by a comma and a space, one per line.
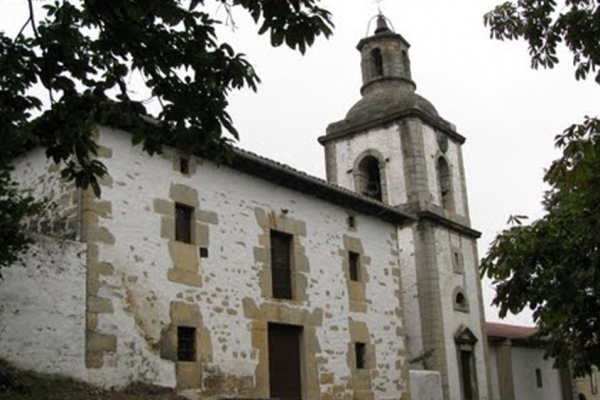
point(378, 2)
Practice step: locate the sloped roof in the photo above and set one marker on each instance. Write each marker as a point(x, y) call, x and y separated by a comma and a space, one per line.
point(286, 176)
point(496, 330)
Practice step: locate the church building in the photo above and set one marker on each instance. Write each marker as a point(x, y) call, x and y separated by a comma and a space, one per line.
point(255, 280)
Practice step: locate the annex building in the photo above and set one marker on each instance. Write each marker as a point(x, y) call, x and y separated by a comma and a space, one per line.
point(255, 280)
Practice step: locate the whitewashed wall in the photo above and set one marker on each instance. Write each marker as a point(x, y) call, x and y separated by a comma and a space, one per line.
point(387, 142)
point(410, 293)
point(42, 308)
point(42, 297)
point(139, 289)
point(454, 319)
point(493, 361)
point(524, 363)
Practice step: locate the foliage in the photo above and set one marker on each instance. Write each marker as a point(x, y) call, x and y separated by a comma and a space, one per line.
point(14, 207)
point(576, 23)
point(84, 53)
point(553, 264)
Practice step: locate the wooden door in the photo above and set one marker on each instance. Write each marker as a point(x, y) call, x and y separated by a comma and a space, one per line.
point(284, 362)
point(467, 377)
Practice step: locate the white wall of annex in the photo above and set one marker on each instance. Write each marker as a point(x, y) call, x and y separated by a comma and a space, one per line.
point(524, 363)
point(493, 361)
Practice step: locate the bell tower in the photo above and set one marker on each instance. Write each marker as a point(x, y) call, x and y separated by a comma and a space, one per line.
point(394, 147)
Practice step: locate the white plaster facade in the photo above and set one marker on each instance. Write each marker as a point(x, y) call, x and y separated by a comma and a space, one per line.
point(42, 308)
point(138, 292)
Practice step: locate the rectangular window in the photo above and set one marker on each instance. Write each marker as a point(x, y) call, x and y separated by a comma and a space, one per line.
point(351, 222)
point(457, 262)
point(184, 165)
point(538, 378)
point(184, 216)
point(281, 264)
point(186, 343)
point(360, 352)
point(354, 265)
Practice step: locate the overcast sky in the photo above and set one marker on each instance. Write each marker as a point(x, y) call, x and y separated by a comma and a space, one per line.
point(508, 112)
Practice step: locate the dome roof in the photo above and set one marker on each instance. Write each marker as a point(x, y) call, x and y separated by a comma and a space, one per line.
point(384, 104)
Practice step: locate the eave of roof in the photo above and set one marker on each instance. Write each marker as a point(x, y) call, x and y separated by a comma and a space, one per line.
point(496, 330)
point(344, 128)
point(291, 178)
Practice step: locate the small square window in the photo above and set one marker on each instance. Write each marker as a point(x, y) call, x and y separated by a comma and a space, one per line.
point(203, 252)
point(184, 165)
point(186, 343)
point(351, 222)
point(184, 216)
point(360, 353)
point(354, 265)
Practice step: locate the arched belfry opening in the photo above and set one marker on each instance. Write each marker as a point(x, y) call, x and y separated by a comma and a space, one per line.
point(377, 59)
point(368, 178)
point(406, 64)
point(444, 177)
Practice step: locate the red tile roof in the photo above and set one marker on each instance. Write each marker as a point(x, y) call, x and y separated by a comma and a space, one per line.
point(496, 330)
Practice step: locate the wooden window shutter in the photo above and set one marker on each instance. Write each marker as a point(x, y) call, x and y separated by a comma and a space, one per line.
point(183, 223)
point(186, 343)
point(281, 264)
point(354, 265)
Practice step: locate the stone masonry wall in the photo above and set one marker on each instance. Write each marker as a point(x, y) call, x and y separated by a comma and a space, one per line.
point(142, 283)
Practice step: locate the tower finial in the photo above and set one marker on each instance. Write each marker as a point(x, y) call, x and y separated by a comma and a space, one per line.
point(378, 2)
point(381, 24)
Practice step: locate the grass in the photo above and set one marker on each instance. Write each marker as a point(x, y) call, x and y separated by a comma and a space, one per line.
point(16, 384)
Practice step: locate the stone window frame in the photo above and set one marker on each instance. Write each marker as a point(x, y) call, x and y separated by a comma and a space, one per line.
point(354, 266)
point(269, 220)
point(289, 239)
point(444, 183)
point(361, 377)
point(184, 223)
point(460, 300)
point(186, 264)
point(457, 260)
point(176, 162)
point(356, 289)
point(186, 343)
point(466, 341)
point(356, 172)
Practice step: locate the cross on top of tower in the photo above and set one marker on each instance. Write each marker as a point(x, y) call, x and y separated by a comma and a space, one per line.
point(378, 2)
